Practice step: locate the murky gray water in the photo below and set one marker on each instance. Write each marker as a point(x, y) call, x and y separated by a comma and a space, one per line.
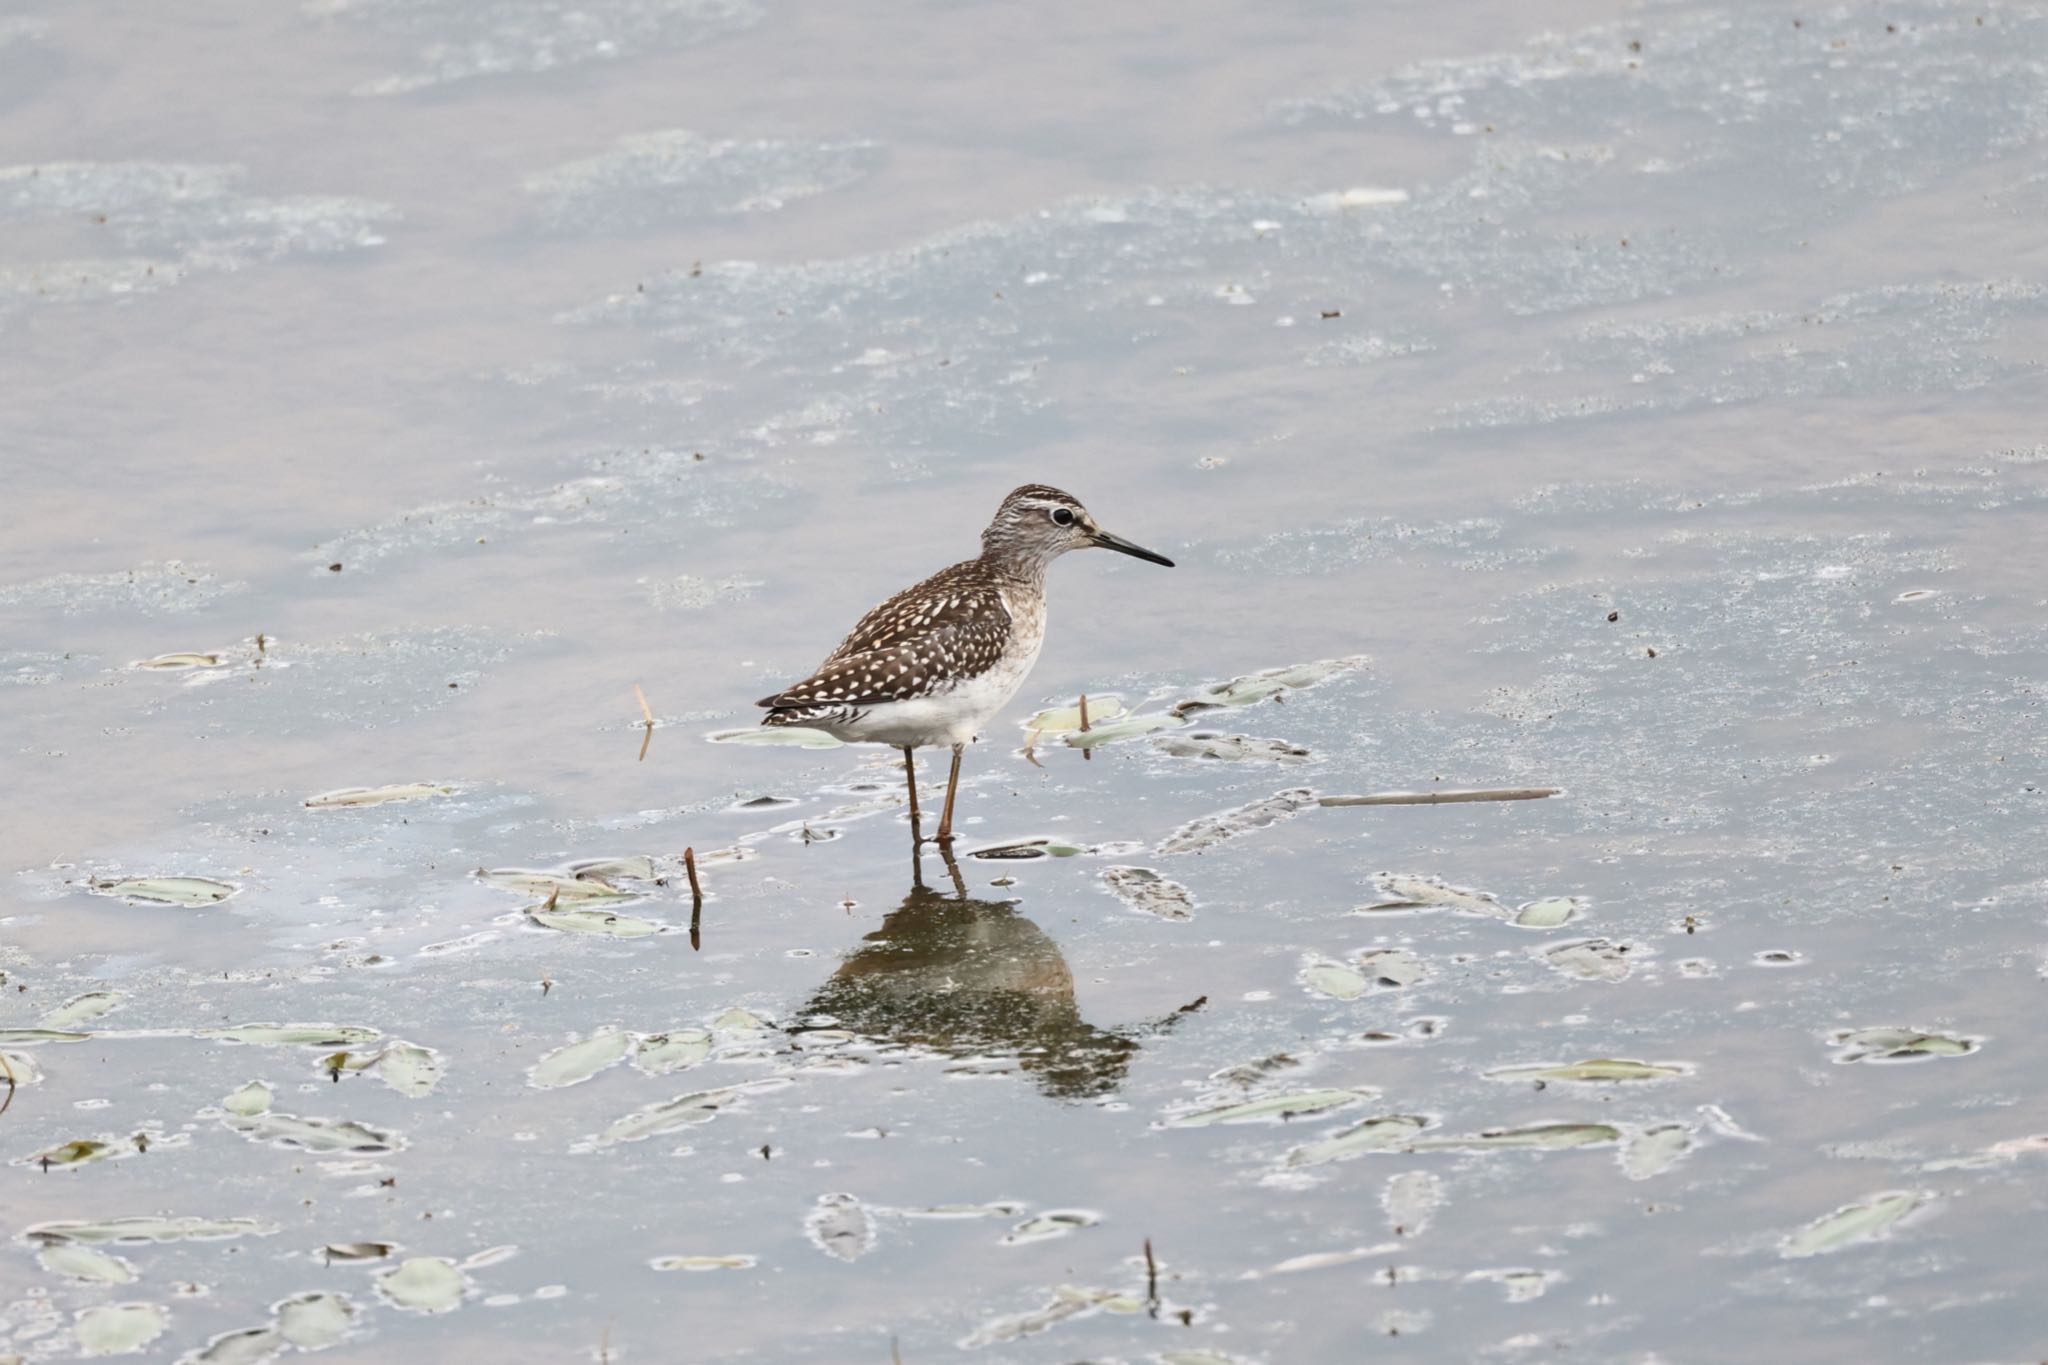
point(1645, 406)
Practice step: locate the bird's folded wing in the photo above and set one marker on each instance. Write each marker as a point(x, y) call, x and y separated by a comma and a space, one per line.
point(960, 597)
point(918, 667)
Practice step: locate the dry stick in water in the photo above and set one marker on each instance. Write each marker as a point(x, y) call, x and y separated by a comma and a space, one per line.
point(1441, 798)
point(690, 866)
point(1151, 1279)
point(647, 718)
point(1086, 754)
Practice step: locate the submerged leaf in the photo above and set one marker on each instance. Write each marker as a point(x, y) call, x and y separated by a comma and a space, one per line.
point(424, 1284)
point(84, 1263)
point(168, 890)
point(1393, 967)
point(146, 1229)
point(1652, 1151)
point(315, 1321)
point(1208, 744)
point(1214, 829)
point(563, 888)
point(377, 796)
point(251, 1100)
point(840, 1227)
point(1334, 979)
point(704, 1262)
point(118, 1329)
point(1270, 682)
point(314, 1134)
point(1411, 1200)
point(578, 1062)
point(1299, 1104)
point(1540, 1137)
point(1866, 1221)
point(1147, 892)
point(413, 1071)
point(1052, 1223)
point(1372, 1135)
point(603, 922)
point(681, 1112)
point(1411, 892)
point(658, 1054)
point(1886, 1044)
point(82, 1009)
point(1592, 1069)
point(1548, 913)
point(250, 1346)
point(1594, 959)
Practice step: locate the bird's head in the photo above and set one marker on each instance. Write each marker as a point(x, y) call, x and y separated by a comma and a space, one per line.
point(1036, 525)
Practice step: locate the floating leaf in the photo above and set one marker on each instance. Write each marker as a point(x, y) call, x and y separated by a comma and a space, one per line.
point(1410, 892)
point(377, 796)
point(314, 1134)
point(1030, 848)
point(840, 1227)
point(291, 1035)
point(681, 1112)
point(313, 1322)
point(1323, 1260)
point(658, 1054)
point(1652, 1151)
point(1548, 913)
point(1069, 1301)
point(1129, 727)
point(1393, 967)
point(1851, 1224)
point(167, 890)
point(1273, 1108)
point(84, 1263)
point(17, 1069)
point(561, 887)
point(1214, 829)
point(118, 1329)
point(1270, 682)
point(704, 1262)
point(1898, 1045)
point(41, 1035)
point(1540, 1137)
point(357, 1251)
point(1230, 748)
point(793, 736)
point(1599, 1069)
point(1593, 959)
point(739, 1019)
point(424, 1284)
point(607, 923)
point(1372, 1135)
point(1411, 1200)
point(179, 660)
point(1441, 796)
point(1334, 979)
point(251, 1100)
point(413, 1071)
point(82, 1009)
point(1063, 718)
point(74, 1153)
point(1147, 892)
point(250, 1346)
point(146, 1230)
point(1052, 1223)
point(578, 1062)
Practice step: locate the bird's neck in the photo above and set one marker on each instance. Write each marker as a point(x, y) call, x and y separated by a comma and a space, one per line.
point(1011, 566)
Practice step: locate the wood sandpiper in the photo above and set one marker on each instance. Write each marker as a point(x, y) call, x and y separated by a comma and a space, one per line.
point(933, 663)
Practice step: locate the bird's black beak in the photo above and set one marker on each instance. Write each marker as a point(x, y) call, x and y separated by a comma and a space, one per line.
point(1122, 546)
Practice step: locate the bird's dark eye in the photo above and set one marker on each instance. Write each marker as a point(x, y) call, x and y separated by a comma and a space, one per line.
point(1062, 516)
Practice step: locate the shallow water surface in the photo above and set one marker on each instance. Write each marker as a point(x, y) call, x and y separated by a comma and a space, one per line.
point(1640, 404)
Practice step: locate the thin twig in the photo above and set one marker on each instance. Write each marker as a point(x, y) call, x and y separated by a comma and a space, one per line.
point(690, 866)
point(1441, 798)
point(1151, 1279)
point(647, 719)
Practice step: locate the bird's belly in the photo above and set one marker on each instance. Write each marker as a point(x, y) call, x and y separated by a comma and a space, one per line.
point(954, 716)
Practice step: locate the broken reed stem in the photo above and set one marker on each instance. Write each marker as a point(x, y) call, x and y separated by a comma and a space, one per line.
point(647, 722)
point(690, 866)
point(1086, 754)
point(1151, 1278)
point(1441, 798)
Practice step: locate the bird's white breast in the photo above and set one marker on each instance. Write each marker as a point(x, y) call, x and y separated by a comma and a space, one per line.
point(956, 714)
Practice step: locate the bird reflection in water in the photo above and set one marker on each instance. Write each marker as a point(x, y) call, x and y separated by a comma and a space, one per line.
point(964, 977)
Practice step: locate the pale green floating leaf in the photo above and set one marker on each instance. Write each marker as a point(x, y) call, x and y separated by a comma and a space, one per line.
point(1063, 718)
point(179, 659)
point(1594, 959)
point(41, 1035)
point(413, 1071)
point(337, 1063)
point(1334, 979)
point(83, 1263)
point(792, 736)
point(1411, 892)
point(562, 887)
point(658, 1054)
point(314, 1134)
point(18, 1068)
point(1372, 1135)
point(377, 796)
point(1270, 682)
point(1273, 1108)
point(291, 1035)
point(704, 1262)
point(1595, 1069)
point(167, 890)
point(424, 1284)
point(1887, 1044)
point(636, 867)
point(118, 1329)
point(681, 1112)
point(1052, 1223)
point(742, 1020)
point(577, 1062)
point(250, 1346)
point(146, 1229)
point(606, 923)
point(76, 1152)
point(1148, 893)
point(1199, 1358)
point(81, 1009)
point(251, 1100)
point(1537, 1137)
point(1851, 1224)
point(1652, 1151)
point(1129, 727)
point(315, 1321)
point(357, 1251)
point(1548, 913)
point(1393, 967)
point(1030, 848)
